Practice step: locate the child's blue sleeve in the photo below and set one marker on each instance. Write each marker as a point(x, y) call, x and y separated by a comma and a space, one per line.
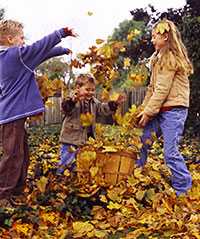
point(34, 54)
point(56, 51)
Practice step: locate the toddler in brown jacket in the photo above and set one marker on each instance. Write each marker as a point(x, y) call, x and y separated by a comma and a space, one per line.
point(75, 130)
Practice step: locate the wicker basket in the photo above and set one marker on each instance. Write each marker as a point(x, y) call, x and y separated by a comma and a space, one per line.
point(112, 167)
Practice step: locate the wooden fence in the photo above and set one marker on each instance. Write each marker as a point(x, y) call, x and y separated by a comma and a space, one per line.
point(53, 113)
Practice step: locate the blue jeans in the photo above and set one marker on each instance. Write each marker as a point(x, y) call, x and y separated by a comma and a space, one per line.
point(171, 125)
point(67, 157)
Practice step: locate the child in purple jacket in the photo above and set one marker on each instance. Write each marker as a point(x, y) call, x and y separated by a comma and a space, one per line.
point(20, 98)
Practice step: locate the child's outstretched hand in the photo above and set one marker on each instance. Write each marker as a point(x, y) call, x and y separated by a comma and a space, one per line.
point(70, 32)
point(69, 51)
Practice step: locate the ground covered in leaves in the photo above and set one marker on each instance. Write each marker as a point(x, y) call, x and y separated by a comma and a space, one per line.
point(143, 206)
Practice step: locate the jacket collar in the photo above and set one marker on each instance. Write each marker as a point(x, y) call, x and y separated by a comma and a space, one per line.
point(3, 48)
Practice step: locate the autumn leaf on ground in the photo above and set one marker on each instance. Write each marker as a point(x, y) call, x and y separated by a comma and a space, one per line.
point(23, 228)
point(50, 217)
point(82, 228)
point(103, 198)
point(41, 184)
point(67, 172)
point(94, 171)
point(113, 205)
point(109, 149)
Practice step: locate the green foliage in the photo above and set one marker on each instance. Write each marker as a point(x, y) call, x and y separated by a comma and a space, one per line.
point(190, 30)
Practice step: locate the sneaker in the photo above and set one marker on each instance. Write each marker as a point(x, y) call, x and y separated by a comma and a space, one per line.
point(5, 203)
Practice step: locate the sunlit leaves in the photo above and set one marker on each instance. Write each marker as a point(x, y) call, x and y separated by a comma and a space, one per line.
point(114, 96)
point(99, 41)
point(132, 34)
point(81, 229)
point(143, 206)
point(127, 62)
point(86, 119)
point(89, 13)
point(162, 27)
point(109, 149)
point(41, 184)
point(23, 229)
point(49, 87)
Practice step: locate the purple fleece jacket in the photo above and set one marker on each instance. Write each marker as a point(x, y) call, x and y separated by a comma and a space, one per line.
point(19, 93)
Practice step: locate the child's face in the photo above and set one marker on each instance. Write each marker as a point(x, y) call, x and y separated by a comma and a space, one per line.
point(90, 90)
point(17, 40)
point(159, 40)
point(87, 91)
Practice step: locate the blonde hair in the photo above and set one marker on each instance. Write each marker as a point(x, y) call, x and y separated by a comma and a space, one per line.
point(175, 53)
point(9, 28)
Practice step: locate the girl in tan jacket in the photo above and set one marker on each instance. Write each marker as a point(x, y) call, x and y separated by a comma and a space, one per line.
point(167, 100)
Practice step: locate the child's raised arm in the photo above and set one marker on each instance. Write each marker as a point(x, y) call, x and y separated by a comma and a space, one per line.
point(41, 50)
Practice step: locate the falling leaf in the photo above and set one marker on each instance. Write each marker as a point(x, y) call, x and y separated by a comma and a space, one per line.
point(114, 96)
point(123, 49)
point(49, 103)
point(99, 41)
point(127, 62)
point(89, 13)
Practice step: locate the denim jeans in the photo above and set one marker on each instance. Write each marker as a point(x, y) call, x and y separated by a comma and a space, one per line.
point(171, 125)
point(67, 157)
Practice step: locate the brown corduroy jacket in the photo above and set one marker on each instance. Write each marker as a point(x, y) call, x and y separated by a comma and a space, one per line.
point(72, 132)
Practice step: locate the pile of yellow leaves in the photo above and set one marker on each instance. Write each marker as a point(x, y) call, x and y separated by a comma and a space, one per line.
point(143, 206)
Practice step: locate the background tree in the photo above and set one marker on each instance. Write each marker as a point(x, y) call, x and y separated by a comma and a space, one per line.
point(54, 68)
point(2, 11)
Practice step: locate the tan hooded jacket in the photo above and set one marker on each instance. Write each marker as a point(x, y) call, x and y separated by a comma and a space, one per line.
point(169, 86)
